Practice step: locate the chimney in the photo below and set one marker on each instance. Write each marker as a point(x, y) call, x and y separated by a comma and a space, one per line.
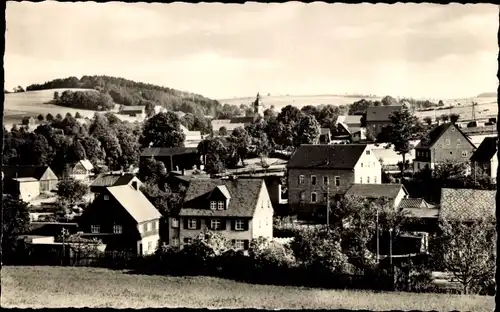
point(135, 186)
point(183, 171)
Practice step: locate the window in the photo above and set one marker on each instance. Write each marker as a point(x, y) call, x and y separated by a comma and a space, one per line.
point(337, 181)
point(175, 222)
point(215, 224)
point(149, 226)
point(368, 180)
point(301, 179)
point(459, 141)
point(325, 197)
point(367, 152)
point(106, 197)
point(220, 205)
point(464, 154)
point(117, 229)
point(314, 197)
point(302, 195)
point(213, 205)
point(361, 165)
point(447, 142)
point(239, 244)
point(313, 180)
point(145, 227)
point(157, 225)
point(418, 166)
point(361, 180)
point(187, 240)
point(325, 180)
point(239, 225)
point(191, 224)
point(175, 241)
point(150, 246)
point(375, 179)
point(95, 229)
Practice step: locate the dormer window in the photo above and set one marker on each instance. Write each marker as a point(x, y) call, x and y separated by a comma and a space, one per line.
point(220, 205)
point(213, 205)
point(367, 152)
point(447, 142)
point(106, 197)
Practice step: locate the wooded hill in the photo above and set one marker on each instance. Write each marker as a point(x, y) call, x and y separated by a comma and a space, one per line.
point(128, 92)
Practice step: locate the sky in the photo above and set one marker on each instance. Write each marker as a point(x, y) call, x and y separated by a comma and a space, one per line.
point(235, 50)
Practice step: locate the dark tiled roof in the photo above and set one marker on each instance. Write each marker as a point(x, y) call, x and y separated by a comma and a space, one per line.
point(244, 196)
point(107, 179)
point(167, 151)
point(244, 120)
point(135, 108)
point(24, 171)
point(486, 150)
point(467, 204)
point(380, 113)
point(414, 203)
point(421, 212)
point(322, 156)
point(375, 190)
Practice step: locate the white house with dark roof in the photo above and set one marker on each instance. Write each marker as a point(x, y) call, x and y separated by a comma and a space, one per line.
point(394, 193)
point(124, 219)
point(240, 209)
point(485, 158)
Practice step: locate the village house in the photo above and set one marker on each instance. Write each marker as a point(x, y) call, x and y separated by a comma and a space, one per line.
point(174, 158)
point(28, 121)
point(485, 159)
point(28, 181)
point(444, 143)
point(316, 170)
point(394, 193)
point(105, 180)
point(134, 111)
point(124, 219)
point(467, 205)
point(341, 134)
point(351, 121)
point(378, 117)
point(423, 216)
point(192, 138)
point(82, 170)
point(358, 134)
point(239, 209)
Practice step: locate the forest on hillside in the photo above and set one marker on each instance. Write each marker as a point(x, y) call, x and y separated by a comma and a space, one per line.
point(128, 92)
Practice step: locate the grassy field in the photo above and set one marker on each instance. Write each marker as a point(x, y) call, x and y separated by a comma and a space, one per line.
point(56, 287)
point(33, 103)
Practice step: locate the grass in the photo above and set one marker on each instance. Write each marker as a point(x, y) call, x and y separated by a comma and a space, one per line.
point(56, 287)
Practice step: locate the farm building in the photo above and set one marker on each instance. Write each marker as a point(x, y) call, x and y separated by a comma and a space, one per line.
point(134, 111)
point(43, 174)
point(28, 121)
point(174, 158)
point(82, 170)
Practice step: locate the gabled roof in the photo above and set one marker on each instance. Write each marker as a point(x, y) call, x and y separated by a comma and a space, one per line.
point(167, 151)
point(25, 180)
point(350, 119)
point(421, 212)
point(467, 204)
point(223, 189)
point(11, 172)
point(134, 201)
point(109, 179)
point(244, 195)
point(389, 191)
point(132, 108)
point(414, 203)
point(86, 164)
point(486, 150)
point(380, 113)
point(323, 156)
point(429, 140)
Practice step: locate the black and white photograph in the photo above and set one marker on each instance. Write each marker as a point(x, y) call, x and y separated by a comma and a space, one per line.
point(256, 155)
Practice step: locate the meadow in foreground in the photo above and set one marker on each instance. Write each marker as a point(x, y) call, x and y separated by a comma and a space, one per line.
point(55, 287)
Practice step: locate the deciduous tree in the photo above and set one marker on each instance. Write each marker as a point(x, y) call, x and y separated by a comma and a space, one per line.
point(162, 130)
point(403, 127)
point(307, 131)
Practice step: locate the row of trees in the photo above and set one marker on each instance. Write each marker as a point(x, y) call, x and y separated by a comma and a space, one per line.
point(91, 100)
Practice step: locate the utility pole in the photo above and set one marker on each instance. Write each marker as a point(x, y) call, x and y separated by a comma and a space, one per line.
point(328, 205)
point(378, 241)
point(390, 247)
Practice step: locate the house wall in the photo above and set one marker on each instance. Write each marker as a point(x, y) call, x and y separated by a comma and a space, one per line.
point(262, 222)
point(28, 190)
point(48, 181)
point(149, 245)
point(399, 197)
point(368, 170)
point(449, 147)
point(494, 167)
point(374, 128)
point(294, 188)
point(420, 165)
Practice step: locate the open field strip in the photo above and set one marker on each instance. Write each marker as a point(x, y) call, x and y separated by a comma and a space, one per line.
point(55, 287)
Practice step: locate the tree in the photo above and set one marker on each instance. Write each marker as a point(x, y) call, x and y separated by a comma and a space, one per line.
point(445, 118)
point(165, 200)
point(388, 101)
point(15, 221)
point(241, 140)
point(41, 152)
point(56, 96)
point(402, 129)
point(77, 115)
point(68, 114)
point(162, 130)
point(222, 131)
point(112, 148)
point(454, 118)
point(40, 117)
point(93, 149)
point(474, 261)
point(49, 117)
point(216, 156)
point(269, 113)
point(428, 120)
point(307, 131)
point(78, 151)
point(70, 191)
point(59, 117)
point(151, 171)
